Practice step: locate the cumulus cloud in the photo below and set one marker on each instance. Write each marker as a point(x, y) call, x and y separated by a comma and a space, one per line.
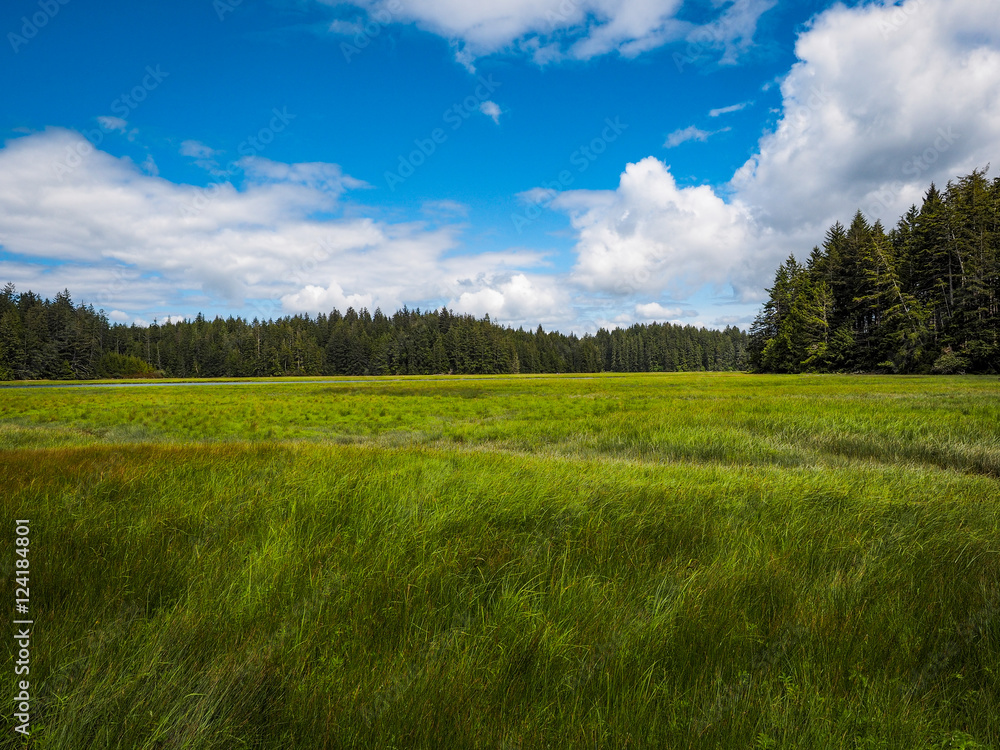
point(656, 311)
point(651, 235)
point(312, 298)
point(115, 235)
point(551, 30)
point(516, 300)
point(883, 100)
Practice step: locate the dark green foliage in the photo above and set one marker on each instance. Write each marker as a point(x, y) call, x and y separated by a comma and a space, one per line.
point(114, 365)
point(43, 339)
point(924, 297)
point(55, 340)
point(950, 363)
point(793, 332)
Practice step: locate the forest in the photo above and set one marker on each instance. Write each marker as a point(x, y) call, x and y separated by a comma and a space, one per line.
point(923, 297)
point(58, 340)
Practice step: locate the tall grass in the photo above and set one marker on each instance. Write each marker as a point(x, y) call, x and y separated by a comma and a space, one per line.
point(682, 561)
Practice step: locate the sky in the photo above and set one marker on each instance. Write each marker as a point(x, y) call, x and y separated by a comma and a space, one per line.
point(574, 164)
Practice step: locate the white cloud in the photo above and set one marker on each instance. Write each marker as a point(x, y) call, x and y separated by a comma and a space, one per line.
point(651, 235)
point(728, 110)
point(656, 311)
point(491, 110)
point(120, 316)
point(690, 133)
point(141, 243)
point(312, 298)
point(551, 30)
point(516, 300)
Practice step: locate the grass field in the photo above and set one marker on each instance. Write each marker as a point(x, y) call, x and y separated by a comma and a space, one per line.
point(676, 561)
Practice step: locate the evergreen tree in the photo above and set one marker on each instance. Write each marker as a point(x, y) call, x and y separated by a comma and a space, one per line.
point(56, 339)
point(923, 297)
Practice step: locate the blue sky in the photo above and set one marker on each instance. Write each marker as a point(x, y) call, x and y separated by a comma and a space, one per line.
point(574, 163)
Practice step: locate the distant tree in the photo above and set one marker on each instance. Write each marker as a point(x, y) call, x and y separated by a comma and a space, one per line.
point(57, 339)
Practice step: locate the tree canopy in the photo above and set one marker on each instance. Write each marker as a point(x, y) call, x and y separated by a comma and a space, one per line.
point(56, 339)
point(922, 297)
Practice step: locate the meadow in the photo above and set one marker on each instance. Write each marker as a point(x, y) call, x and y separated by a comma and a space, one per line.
point(610, 561)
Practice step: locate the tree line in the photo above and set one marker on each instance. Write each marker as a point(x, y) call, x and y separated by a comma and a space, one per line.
point(923, 297)
point(57, 339)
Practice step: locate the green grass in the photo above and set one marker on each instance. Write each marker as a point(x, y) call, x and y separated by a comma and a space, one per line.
point(680, 561)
